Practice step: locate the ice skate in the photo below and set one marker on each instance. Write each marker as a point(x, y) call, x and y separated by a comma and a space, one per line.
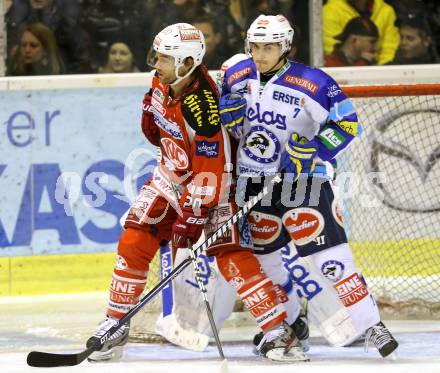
point(281, 344)
point(112, 349)
point(301, 330)
point(381, 337)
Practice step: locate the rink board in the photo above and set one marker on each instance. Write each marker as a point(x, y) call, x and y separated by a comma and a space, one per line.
point(47, 119)
point(57, 274)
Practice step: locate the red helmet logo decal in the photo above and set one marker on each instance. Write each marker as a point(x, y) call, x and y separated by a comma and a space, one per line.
point(263, 22)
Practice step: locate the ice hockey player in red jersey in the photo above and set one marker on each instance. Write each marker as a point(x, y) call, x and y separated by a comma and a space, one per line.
point(180, 115)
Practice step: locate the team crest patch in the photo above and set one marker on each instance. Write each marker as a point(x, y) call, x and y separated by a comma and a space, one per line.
point(304, 224)
point(333, 270)
point(175, 154)
point(265, 228)
point(261, 145)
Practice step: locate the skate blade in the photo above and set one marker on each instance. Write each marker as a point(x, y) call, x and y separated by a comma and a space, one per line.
point(305, 345)
point(392, 356)
point(113, 354)
point(292, 356)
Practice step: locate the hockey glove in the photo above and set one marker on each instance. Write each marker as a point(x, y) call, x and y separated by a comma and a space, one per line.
point(298, 157)
point(188, 226)
point(149, 127)
point(232, 108)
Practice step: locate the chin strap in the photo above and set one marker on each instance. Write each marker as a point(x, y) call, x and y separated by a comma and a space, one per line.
point(272, 70)
point(180, 78)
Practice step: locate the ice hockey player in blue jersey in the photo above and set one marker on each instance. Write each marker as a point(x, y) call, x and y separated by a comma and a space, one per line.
point(293, 120)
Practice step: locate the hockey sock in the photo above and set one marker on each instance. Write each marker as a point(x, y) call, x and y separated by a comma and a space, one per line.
point(243, 271)
point(136, 250)
point(273, 266)
point(338, 266)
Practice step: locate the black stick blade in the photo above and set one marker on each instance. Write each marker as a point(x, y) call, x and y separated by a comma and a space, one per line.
point(49, 360)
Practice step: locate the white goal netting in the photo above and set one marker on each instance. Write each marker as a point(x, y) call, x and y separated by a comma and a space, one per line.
point(393, 207)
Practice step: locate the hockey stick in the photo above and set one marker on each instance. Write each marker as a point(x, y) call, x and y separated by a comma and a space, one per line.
point(205, 300)
point(47, 359)
point(203, 290)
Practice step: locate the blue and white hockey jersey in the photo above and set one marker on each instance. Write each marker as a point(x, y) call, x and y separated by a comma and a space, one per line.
point(298, 98)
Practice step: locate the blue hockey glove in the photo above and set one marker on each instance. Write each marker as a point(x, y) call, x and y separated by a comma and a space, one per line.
point(298, 157)
point(232, 112)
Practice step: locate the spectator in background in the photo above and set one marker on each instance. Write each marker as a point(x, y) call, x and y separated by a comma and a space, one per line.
point(214, 55)
point(357, 45)
point(120, 59)
point(60, 16)
point(336, 14)
point(416, 44)
point(36, 54)
point(6, 5)
point(110, 20)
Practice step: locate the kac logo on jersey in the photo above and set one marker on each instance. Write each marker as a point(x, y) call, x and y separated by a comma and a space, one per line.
point(175, 154)
point(261, 145)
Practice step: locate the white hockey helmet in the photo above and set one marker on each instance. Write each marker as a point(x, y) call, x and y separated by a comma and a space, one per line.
point(180, 41)
point(270, 29)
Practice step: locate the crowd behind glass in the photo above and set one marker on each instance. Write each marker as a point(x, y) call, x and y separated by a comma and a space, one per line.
point(113, 36)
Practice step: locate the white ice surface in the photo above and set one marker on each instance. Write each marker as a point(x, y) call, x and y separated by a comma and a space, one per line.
point(63, 324)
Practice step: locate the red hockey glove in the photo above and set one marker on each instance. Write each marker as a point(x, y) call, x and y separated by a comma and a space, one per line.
point(149, 127)
point(189, 226)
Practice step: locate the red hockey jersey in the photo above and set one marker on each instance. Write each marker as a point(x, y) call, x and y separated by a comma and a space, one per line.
point(195, 148)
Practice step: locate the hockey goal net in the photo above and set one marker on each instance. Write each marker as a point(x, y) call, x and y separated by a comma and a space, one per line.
point(392, 209)
point(389, 183)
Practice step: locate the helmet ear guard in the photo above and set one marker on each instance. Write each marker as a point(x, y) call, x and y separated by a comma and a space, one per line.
point(270, 29)
point(179, 41)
